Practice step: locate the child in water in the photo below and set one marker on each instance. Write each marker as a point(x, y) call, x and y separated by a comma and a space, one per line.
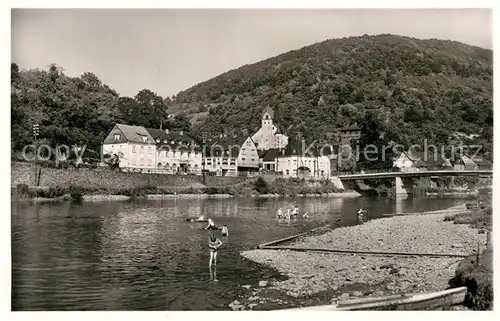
point(211, 225)
point(213, 245)
point(225, 231)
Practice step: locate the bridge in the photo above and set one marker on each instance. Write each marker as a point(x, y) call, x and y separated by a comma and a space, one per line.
point(402, 180)
point(471, 172)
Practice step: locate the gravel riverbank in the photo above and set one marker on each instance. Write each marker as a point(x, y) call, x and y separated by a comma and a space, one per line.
point(310, 273)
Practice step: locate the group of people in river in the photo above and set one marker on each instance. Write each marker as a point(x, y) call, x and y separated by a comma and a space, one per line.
point(287, 215)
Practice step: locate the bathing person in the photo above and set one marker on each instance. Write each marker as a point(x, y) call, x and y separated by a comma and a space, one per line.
point(295, 210)
point(201, 218)
point(287, 214)
point(279, 213)
point(211, 225)
point(306, 215)
point(225, 231)
point(361, 218)
point(213, 245)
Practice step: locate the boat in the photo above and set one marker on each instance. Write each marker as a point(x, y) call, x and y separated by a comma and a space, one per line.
point(421, 301)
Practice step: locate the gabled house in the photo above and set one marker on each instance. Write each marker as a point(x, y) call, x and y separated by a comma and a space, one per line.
point(133, 145)
point(410, 161)
point(176, 152)
point(232, 155)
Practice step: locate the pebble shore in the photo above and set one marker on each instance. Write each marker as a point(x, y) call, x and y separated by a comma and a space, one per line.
point(312, 272)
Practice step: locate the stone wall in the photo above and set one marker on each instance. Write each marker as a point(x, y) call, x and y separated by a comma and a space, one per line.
point(24, 173)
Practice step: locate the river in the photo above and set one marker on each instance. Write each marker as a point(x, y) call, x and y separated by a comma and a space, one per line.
point(145, 256)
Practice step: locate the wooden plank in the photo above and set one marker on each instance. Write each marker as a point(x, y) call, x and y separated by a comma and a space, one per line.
point(426, 301)
point(289, 238)
point(290, 248)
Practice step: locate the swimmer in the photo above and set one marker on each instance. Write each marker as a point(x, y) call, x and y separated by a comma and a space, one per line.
point(225, 231)
point(213, 245)
point(361, 218)
point(211, 225)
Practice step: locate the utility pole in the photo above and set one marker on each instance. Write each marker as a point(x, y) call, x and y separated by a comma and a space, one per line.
point(36, 132)
point(204, 155)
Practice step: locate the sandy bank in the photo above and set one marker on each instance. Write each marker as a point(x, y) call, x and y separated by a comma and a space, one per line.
point(313, 272)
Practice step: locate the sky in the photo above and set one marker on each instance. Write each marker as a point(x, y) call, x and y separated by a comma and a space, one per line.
point(169, 50)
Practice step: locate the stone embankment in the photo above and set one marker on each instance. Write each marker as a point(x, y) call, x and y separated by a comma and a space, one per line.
point(310, 272)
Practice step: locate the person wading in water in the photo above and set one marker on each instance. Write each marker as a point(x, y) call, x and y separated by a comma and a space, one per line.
point(213, 245)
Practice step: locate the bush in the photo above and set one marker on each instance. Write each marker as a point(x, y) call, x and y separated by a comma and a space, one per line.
point(23, 190)
point(51, 192)
point(76, 193)
point(261, 186)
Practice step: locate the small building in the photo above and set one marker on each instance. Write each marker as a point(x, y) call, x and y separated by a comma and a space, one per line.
point(269, 160)
point(409, 162)
point(350, 135)
point(482, 163)
point(134, 147)
point(294, 164)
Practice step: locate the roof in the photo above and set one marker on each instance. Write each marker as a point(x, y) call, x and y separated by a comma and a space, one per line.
point(479, 160)
point(351, 127)
point(135, 134)
point(316, 150)
point(227, 143)
point(268, 110)
point(271, 154)
point(173, 139)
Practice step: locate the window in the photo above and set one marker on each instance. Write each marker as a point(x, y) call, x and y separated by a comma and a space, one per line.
point(288, 172)
point(144, 138)
point(253, 159)
point(133, 148)
point(158, 140)
point(243, 158)
point(116, 136)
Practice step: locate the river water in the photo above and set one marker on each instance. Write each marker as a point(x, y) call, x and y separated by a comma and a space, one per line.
point(145, 256)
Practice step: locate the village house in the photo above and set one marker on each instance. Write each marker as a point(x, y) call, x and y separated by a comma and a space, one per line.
point(133, 145)
point(269, 135)
point(176, 152)
point(293, 163)
point(232, 155)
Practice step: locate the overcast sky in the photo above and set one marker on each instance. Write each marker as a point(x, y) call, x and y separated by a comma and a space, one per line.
point(171, 50)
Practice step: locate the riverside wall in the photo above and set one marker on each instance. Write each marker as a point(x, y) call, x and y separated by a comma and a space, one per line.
point(104, 178)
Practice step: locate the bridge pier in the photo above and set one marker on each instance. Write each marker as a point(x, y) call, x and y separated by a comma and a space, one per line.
point(399, 188)
point(337, 183)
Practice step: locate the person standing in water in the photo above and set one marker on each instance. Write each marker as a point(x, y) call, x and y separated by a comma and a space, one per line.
point(295, 211)
point(279, 213)
point(213, 244)
point(361, 218)
point(224, 230)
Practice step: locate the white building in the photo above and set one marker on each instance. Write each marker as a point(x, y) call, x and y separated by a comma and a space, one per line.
point(305, 166)
point(134, 146)
point(153, 150)
point(177, 152)
point(269, 135)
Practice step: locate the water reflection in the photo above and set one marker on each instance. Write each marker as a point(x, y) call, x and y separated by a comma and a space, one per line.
point(144, 255)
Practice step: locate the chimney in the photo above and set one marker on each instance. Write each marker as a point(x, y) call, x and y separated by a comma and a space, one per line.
point(166, 130)
point(181, 133)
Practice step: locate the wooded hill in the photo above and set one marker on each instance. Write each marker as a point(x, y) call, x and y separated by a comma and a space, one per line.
point(397, 88)
point(403, 88)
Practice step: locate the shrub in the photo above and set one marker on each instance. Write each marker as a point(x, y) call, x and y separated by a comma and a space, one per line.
point(261, 186)
point(76, 193)
point(23, 190)
point(51, 192)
